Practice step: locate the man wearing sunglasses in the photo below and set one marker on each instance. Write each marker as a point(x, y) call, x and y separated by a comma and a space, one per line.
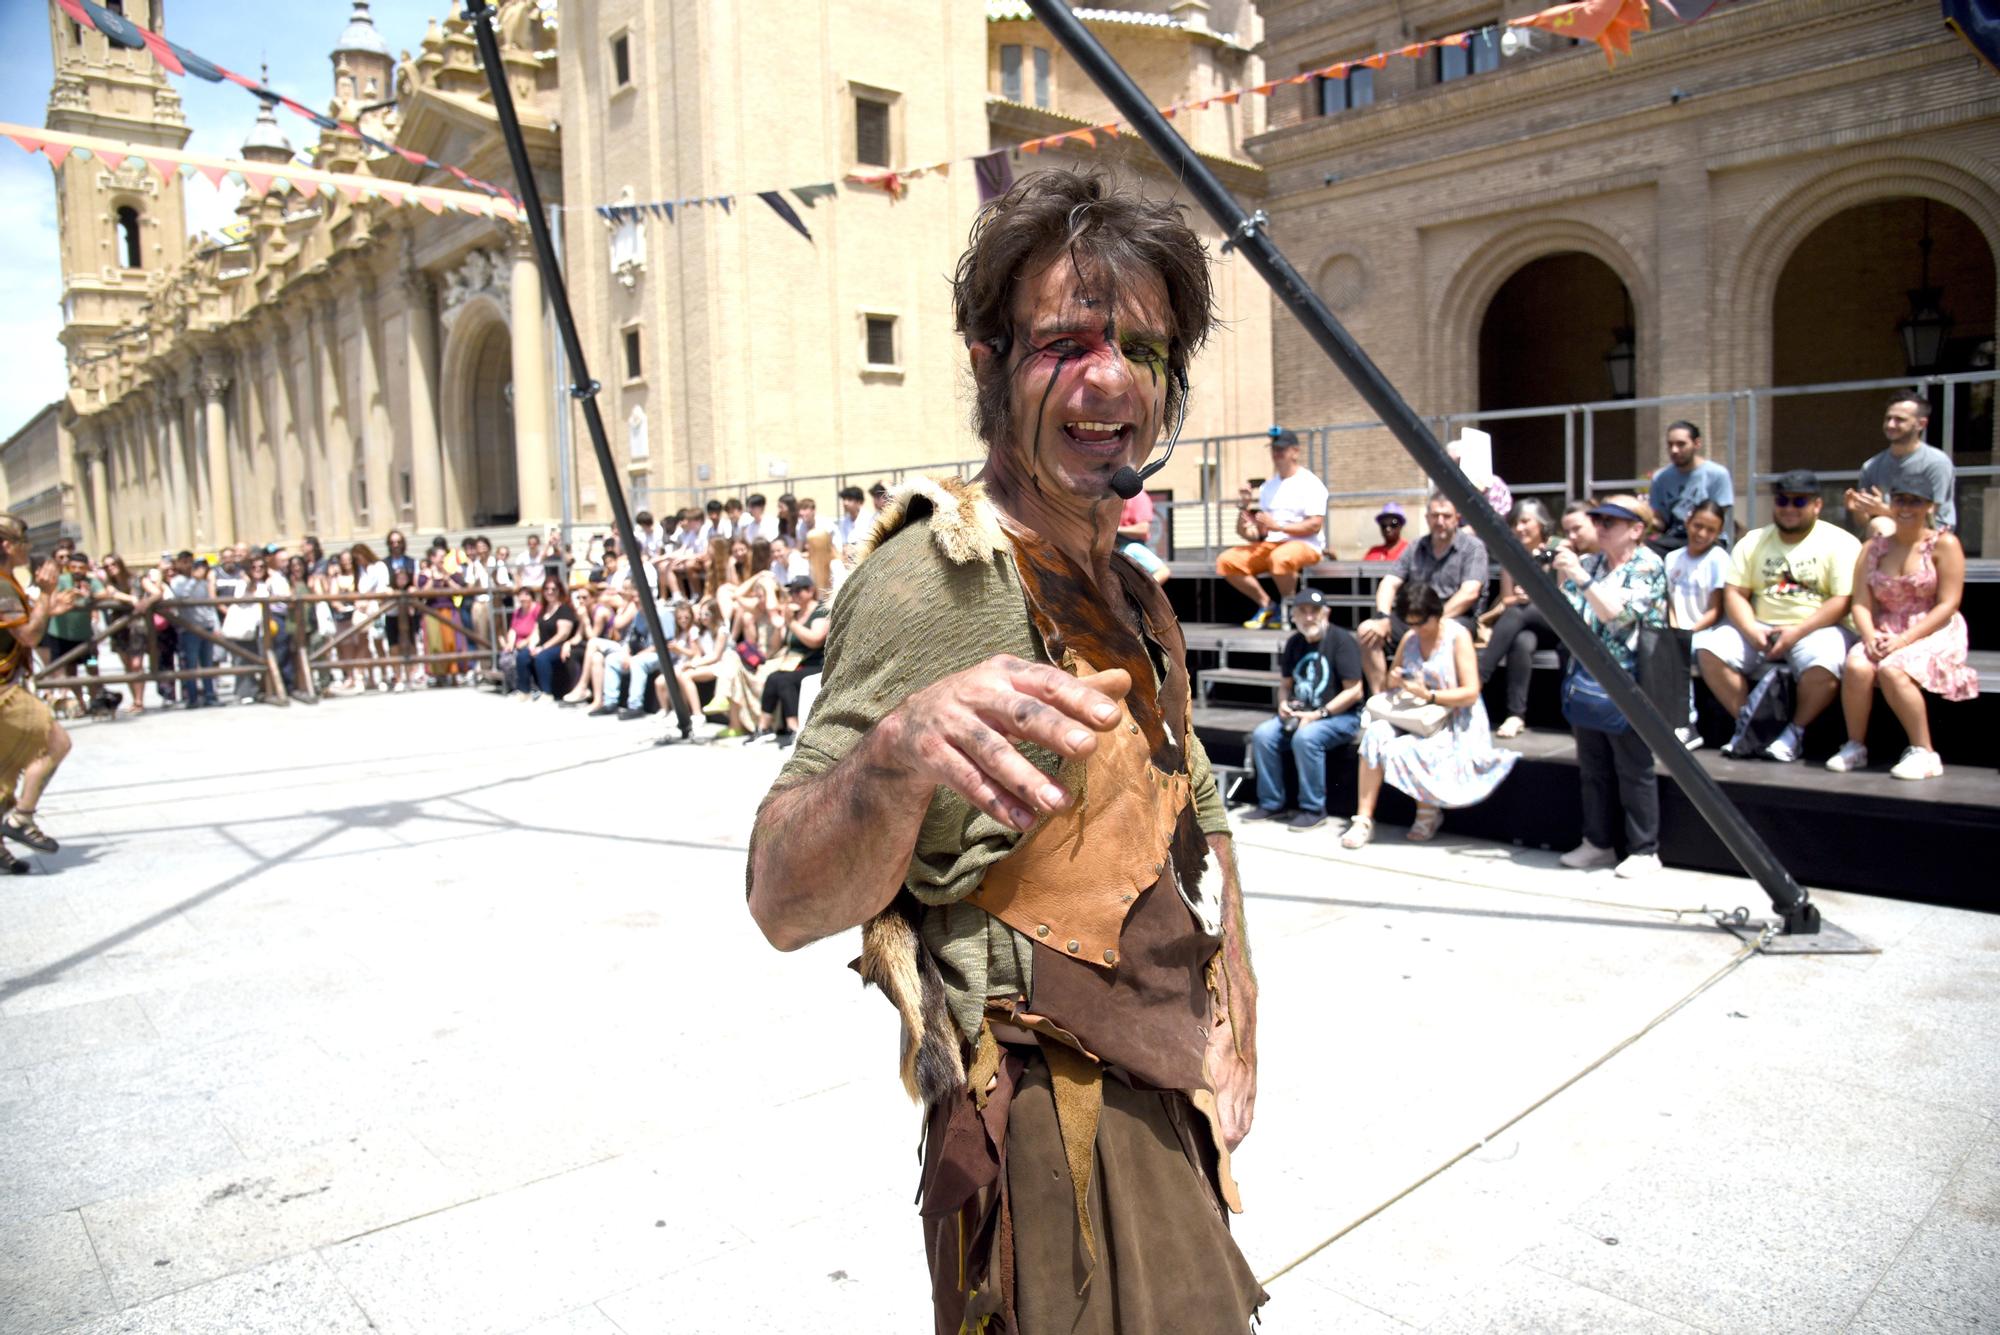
point(1786, 601)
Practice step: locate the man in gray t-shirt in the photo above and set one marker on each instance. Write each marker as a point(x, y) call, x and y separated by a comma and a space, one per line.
point(194, 651)
point(1449, 559)
point(1903, 423)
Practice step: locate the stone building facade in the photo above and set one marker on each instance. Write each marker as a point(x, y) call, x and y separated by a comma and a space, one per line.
point(344, 366)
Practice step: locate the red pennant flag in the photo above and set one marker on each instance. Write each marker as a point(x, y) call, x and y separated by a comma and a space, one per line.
point(165, 168)
point(258, 182)
point(162, 52)
point(306, 187)
point(1336, 71)
point(353, 192)
point(76, 12)
point(112, 160)
point(408, 155)
point(56, 153)
point(394, 197)
point(28, 143)
point(214, 174)
point(431, 202)
point(1609, 23)
point(243, 80)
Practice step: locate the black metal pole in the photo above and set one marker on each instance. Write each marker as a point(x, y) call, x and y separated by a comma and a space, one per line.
point(582, 387)
point(1248, 234)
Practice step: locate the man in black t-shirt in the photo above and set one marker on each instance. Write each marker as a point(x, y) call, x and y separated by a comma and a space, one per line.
point(1319, 711)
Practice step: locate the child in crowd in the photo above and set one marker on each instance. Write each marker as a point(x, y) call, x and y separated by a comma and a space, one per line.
point(1696, 574)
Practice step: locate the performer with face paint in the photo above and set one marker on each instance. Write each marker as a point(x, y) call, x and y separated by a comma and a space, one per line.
point(1000, 784)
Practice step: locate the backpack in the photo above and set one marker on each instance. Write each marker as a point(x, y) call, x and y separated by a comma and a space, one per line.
point(1766, 714)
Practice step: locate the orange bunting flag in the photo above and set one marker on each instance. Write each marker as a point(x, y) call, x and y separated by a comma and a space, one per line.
point(1263, 89)
point(1111, 130)
point(1377, 61)
point(1414, 49)
point(1228, 99)
point(1609, 23)
point(1089, 139)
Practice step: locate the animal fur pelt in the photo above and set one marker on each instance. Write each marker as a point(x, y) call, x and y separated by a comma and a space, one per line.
point(964, 523)
point(893, 958)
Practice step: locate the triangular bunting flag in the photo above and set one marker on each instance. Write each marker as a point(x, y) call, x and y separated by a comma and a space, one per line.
point(785, 211)
point(810, 195)
point(1263, 89)
point(56, 153)
point(1086, 136)
point(431, 202)
point(306, 186)
point(27, 142)
point(1230, 99)
point(394, 197)
point(194, 64)
point(167, 170)
point(214, 174)
point(112, 160)
point(728, 203)
point(353, 192)
point(668, 206)
point(257, 183)
point(1413, 50)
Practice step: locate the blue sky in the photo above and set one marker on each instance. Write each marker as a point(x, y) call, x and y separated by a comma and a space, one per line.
point(294, 37)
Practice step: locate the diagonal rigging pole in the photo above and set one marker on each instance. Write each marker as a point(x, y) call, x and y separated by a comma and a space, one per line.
point(1248, 233)
point(583, 389)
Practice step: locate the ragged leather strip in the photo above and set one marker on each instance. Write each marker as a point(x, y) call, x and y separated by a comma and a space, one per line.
point(1077, 1084)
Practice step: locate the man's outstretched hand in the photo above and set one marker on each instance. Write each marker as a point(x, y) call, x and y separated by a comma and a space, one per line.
point(960, 731)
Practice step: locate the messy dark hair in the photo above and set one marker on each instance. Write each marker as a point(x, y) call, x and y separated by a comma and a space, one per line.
point(1105, 230)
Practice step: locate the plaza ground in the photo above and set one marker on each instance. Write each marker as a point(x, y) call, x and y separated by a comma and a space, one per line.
point(442, 1013)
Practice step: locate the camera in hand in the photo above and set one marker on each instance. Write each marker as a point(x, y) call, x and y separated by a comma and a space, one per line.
point(1291, 723)
point(1545, 557)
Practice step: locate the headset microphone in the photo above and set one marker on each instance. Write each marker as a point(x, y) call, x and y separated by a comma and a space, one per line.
point(1126, 482)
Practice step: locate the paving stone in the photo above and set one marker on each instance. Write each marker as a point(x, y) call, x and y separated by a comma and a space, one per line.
point(49, 1277)
point(1520, 1298)
point(294, 1296)
point(30, 1038)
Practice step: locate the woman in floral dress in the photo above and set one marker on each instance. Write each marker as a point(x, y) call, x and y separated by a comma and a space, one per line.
point(1456, 766)
point(1912, 637)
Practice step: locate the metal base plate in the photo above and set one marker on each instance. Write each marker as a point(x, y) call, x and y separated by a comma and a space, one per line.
point(1829, 940)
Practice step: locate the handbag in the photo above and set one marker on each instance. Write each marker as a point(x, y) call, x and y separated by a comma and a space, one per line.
point(1586, 704)
point(1405, 713)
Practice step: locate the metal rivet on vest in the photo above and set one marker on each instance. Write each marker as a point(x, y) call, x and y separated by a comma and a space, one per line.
point(1110, 957)
point(1135, 728)
point(1159, 867)
point(1075, 946)
point(1125, 899)
point(1042, 930)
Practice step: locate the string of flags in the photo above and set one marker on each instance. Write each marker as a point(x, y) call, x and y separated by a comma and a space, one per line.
point(259, 178)
point(177, 59)
point(1608, 23)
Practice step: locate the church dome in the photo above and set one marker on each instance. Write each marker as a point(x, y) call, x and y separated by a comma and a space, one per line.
point(360, 35)
point(266, 142)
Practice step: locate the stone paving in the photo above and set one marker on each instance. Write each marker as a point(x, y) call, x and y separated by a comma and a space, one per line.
point(441, 1013)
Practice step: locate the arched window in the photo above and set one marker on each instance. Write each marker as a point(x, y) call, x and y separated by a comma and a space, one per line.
point(128, 236)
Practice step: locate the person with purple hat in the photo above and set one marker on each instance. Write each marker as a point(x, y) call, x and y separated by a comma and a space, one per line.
point(1390, 523)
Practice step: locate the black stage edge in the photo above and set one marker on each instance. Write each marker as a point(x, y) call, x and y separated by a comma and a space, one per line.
point(582, 388)
point(1249, 234)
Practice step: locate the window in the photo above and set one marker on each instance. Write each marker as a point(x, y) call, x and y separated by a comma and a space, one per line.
point(1480, 55)
point(1010, 73)
point(1337, 95)
point(128, 237)
point(1041, 76)
point(871, 132)
point(621, 61)
point(880, 349)
point(634, 367)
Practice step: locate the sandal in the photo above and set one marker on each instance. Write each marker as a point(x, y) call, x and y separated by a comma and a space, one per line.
point(1511, 727)
point(1425, 827)
point(19, 825)
point(11, 865)
point(1359, 831)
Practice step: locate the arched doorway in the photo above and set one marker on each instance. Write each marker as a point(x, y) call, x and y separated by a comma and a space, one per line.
point(480, 478)
point(1543, 341)
point(1840, 299)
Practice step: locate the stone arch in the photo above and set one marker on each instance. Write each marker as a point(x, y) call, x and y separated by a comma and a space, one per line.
point(477, 416)
point(1750, 285)
point(1461, 310)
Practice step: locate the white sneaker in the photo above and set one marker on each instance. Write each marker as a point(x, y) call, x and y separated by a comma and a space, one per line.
point(1918, 763)
point(1851, 757)
point(1639, 864)
point(1512, 726)
point(1587, 855)
point(1786, 749)
point(1689, 738)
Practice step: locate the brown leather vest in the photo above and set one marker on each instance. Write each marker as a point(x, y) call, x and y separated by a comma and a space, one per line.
point(1123, 967)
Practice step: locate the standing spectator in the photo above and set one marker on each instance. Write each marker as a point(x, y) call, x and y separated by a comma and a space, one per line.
point(1451, 562)
point(481, 576)
point(1686, 482)
point(1135, 537)
point(539, 665)
point(1908, 585)
point(399, 557)
point(314, 554)
point(850, 530)
point(70, 631)
point(1389, 523)
point(343, 580)
point(1517, 626)
point(1456, 766)
point(440, 635)
point(371, 575)
point(528, 565)
point(1696, 575)
point(1282, 528)
point(128, 600)
point(296, 625)
point(164, 637)
point(196, 651)
point(1907, 461)
point(400, 635)
point(1319, 710)
point(1618, 589)
point(242, 621)
point(1788, 592)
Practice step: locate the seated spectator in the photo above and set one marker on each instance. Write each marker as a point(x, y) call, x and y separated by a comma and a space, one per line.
point(752, 525)
point(1456, 766)
point(1282, 528)
point(1616, 590)
point(1687, 481)
point(630, 667)
point(1319, 710)
point(540, 665)
point(1911, 636)
point(804, 653)
point(515, 638)
point(1788, 593)
point(850, 527)
point(878, 495)
point(1451, 562)
point(1579, 533)
point(1135, 537)
point(1389, 523)
point(589, 686)
point(714, 660)
point(1907, 460)
point(1517, 629)
point(1696, 574)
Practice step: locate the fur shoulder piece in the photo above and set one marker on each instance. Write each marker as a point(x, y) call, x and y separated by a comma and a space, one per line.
point(964, 523)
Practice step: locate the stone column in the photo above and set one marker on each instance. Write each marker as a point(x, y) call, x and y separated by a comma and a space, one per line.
point(98, 460)
point(213, 383)
point(180, 483)
point(375, 441)
point(534, 470)
point(294, 470)
point(420, 363)
point(336, 436)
